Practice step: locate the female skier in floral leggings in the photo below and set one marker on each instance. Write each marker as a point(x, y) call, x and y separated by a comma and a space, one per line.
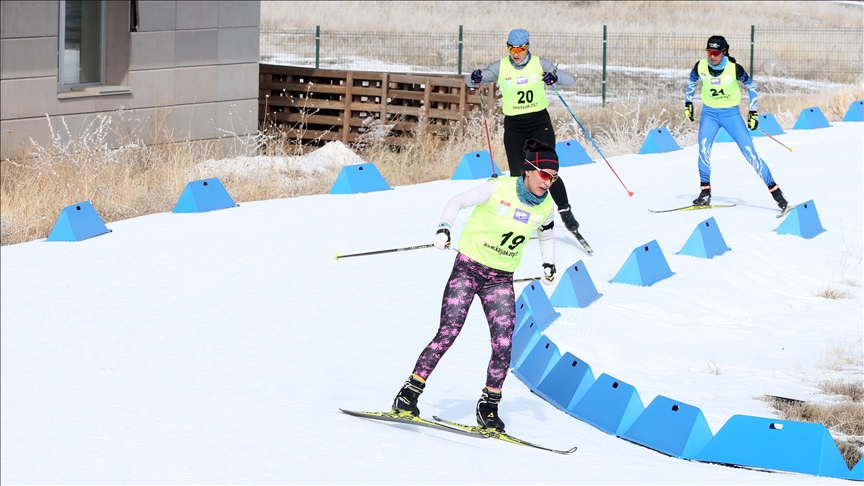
point(508, 210)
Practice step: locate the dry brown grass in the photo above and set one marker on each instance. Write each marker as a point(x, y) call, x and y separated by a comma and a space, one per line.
point(640, 16)
point(137, 179)
point(844, 416)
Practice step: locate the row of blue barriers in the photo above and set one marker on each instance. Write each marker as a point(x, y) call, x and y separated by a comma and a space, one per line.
point(668, 426)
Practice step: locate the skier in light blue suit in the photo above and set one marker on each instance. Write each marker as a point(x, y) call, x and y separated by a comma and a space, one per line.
point(721, 95)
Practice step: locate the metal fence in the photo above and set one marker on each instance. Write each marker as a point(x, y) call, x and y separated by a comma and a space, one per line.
point(607, 65)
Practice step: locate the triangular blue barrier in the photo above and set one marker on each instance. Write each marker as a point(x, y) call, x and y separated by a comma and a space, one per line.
point(538, 304)
point(540, 359)
point(857, 472)
point(811, 118)
point(670, 427)
point(77, 222)
point(523, 313)
point(767, 125)
point(705, 241)
point(645, 266)
point(855, 113)
point(567, 382)
point(775, 444)
point(802, 221)
point(723, 135)
point(575, 289)
point(353, 179)
point(202, 196)
point(476, 165)
point(610, 405)
point(570, 153)
point(659, 140)
point(523, 341)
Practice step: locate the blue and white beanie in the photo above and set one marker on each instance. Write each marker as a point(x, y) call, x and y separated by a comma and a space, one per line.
point(518, 37)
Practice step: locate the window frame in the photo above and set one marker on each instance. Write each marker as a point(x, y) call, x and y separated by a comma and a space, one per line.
point(61, 42)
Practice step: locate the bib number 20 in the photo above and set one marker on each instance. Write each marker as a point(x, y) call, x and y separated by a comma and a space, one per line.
point(525, 96)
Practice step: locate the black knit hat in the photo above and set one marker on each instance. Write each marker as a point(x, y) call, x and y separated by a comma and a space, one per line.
point(717, 42)
point(542, 160)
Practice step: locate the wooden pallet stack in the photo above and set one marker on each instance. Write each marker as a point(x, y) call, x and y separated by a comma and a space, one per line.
point(315, 106)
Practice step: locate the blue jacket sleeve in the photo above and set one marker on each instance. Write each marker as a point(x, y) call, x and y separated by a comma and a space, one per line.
point(691, 84)
point(745, 78)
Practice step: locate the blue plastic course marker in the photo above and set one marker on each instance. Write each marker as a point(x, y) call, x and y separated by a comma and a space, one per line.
point(77, 222)
point(659, 140)
point(202, 196)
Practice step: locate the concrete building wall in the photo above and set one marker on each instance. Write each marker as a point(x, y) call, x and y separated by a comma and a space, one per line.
point(190, 71)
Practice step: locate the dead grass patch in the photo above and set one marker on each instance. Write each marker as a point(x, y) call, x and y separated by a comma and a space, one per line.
point(843, 416)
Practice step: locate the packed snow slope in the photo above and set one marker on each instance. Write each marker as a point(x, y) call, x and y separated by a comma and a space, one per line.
point(218, 347)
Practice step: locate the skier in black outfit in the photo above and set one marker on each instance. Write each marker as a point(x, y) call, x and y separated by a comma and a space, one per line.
point(522, 78)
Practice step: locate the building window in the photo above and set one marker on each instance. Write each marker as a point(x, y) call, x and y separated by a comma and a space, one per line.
point(81, 44)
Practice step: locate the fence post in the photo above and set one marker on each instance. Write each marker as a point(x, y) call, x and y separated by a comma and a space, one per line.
point(604, 67)
point(752, 41)
point(459, 70)
point(317, 46)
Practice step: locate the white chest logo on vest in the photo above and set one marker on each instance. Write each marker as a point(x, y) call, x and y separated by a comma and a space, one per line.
point(715, 80)
point(522, 216)
point(504, 208)
point(522, 80)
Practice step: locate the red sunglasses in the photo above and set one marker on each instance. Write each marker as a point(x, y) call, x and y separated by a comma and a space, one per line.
point(712, 52)
point(543, 173)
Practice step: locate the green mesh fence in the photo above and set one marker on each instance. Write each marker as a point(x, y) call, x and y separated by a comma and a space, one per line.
point(636, 65)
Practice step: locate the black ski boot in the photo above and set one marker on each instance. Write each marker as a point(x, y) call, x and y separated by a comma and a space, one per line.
point(704, 198)
point(777, 194)
point(406, 399)
point(487, 410)
point(568, 219)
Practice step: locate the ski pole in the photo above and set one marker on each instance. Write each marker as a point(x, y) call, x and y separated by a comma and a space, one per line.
point(378, 252)
point(629, 192)
point(486, 124)
point(526, 279)
point(772, 138)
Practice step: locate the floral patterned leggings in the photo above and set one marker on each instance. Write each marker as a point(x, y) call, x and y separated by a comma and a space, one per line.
point(495, 288)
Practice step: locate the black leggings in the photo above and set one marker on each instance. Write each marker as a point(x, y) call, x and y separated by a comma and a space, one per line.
point(518, 129)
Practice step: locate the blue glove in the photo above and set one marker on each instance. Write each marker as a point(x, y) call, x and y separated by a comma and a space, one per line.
point(550, 78)
point(477, 76)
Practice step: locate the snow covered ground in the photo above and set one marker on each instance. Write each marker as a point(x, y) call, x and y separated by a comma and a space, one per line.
point(218, 347)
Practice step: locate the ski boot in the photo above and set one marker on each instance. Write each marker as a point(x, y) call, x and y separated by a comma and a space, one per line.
point(406, 399)
point(568, 219)
point(777, 194)
point(704, 198)
point(487, 410)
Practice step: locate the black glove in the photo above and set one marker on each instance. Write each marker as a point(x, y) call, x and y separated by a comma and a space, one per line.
point(753, 120)
point(688, 111)
point(477, 76)
point(548, 273)
point(550, 78)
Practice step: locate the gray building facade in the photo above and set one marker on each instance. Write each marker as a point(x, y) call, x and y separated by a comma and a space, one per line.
point(162, 70)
